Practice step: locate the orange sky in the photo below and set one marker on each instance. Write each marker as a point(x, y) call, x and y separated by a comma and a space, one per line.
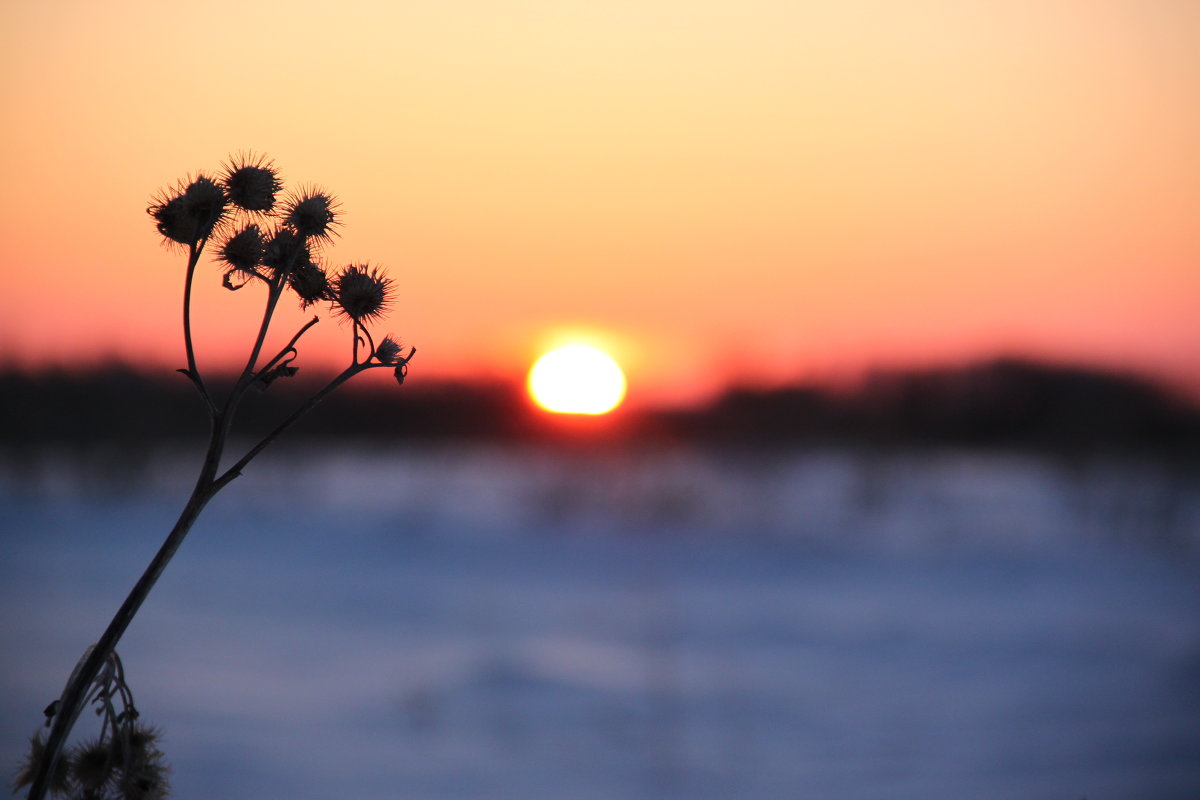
point(762, 190)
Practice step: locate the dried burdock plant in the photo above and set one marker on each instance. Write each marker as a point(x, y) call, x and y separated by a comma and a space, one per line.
point(258, 238)
point(122, 762)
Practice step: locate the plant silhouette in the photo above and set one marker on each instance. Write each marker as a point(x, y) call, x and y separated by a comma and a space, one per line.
point(260, 236)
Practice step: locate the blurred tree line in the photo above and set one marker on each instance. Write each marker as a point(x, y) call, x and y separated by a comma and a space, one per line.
point(1000, 403)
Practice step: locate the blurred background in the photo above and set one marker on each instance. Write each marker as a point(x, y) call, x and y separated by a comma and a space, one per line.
point(904, 498)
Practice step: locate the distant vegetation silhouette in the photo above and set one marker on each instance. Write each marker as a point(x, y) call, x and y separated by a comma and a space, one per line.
point(998, 403)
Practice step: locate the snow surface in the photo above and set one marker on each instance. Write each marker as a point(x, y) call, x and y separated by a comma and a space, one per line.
point(503, 623)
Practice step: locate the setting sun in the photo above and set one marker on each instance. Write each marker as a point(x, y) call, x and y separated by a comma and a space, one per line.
point(577, 379)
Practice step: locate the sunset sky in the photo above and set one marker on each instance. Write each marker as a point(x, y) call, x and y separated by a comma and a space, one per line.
point(761, 190)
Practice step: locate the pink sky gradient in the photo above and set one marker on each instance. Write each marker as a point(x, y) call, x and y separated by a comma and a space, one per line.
point(762, 191)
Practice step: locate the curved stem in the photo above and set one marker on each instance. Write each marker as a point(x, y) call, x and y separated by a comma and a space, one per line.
point(192, 371)
point(74, 695)
point(370, 342)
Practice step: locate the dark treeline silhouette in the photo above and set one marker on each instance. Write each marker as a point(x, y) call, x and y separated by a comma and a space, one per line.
point(1000, 403)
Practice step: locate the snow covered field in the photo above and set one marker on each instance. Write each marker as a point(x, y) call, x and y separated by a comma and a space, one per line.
point(444, 624)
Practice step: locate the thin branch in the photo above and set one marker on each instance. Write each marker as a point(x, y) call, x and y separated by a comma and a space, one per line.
point(309, 405)
point(273, 294)
point(225, 418)
point(290, 348)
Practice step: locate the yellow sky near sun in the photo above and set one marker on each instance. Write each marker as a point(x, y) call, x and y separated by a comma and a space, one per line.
point(759, 189)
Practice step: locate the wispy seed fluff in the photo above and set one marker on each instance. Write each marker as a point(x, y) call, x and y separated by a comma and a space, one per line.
point(312, 213)
point(252, 183)
point(143, 770)
point(60, 779)
point(362, 292)
point(92, 765)
point(388, 350)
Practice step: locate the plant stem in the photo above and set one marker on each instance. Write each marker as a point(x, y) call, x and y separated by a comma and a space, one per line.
point(74, 695)
point(273, 293)
point(290, 347)
point(309, 405)
point(275, 289)
point(192, 371)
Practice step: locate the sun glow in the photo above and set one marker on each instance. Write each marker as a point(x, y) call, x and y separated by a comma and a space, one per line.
point(577, 379)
